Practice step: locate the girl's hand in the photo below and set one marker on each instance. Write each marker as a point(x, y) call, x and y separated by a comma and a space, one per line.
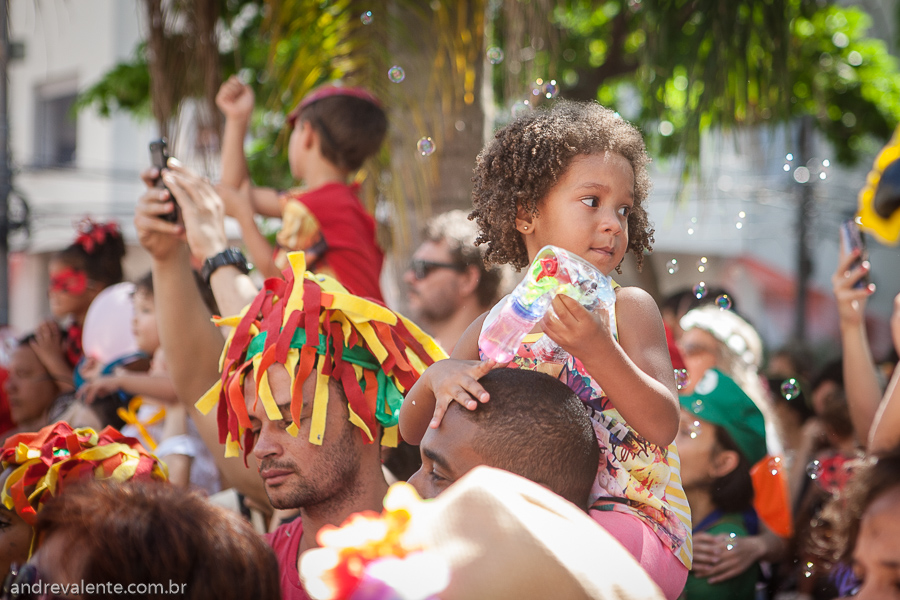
point(714, 561)
point(47, 345)
point(90, 369)
point(100, 387)
point(457, 380)
point(574, 328)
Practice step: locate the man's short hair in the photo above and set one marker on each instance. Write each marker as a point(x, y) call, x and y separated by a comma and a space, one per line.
point(459, 233)
point(536, 427)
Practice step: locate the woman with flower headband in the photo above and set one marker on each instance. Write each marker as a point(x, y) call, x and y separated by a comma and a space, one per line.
point(77, 274)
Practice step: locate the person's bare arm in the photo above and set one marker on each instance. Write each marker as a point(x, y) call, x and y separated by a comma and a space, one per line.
point(204, 220)
point(885, 434)
point(191, 342)
point(636, 372)
point(159, 387)
point(235, 100)
point(861, 380)
point(238, 205)
point(459, 375)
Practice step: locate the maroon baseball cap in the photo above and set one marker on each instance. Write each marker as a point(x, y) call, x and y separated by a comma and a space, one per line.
point(327, 91)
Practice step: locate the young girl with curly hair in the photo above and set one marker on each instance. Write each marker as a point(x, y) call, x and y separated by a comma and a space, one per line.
point(575, 176)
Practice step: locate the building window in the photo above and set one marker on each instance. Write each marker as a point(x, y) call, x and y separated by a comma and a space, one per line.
point(55, 130)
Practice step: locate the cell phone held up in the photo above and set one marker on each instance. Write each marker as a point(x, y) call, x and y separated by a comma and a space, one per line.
point(852, 239)
point(159, 156)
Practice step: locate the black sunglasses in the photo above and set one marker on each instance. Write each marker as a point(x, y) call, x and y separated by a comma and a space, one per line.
point(24, 583)
point(423, 268)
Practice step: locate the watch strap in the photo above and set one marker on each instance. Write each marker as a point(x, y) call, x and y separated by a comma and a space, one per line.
point(228, 257)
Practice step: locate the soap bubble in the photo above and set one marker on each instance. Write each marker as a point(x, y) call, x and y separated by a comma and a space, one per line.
point(520, 107)
point(813, 469)
point(495, 55)
point(790, 389)
point(701, 264)
point(681, 378)
point(396, 74)
point(672, 266)
point(774, 465)
point(537, 87)
point(700, 290)
point(723, 302)
point(551, 89)
point(425, 146)
point(366, 18)
point(810, 569)
point(697, 406)
point(694, 428)
point(730, 544)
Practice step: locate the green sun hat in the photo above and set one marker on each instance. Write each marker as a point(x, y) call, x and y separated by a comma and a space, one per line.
point(720, 401)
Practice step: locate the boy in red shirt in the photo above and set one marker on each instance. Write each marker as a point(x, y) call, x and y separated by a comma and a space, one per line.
point(334, 130)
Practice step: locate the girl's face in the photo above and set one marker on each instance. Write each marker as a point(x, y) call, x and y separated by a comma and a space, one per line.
point(698, 348)
point(143, 324)
point(586, 212)
point(875, 558)
point(15, 539)
point(70, 290)
point(696, 442)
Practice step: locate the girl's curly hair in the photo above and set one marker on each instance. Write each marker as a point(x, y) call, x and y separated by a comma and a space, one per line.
point(529, 156)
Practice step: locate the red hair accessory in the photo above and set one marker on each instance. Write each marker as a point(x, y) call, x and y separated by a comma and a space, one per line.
point(91, 234)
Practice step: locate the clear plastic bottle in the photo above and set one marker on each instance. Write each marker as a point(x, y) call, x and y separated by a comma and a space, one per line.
point(553, 271)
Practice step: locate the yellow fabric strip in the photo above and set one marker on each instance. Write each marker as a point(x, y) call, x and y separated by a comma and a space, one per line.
point(430, 345)
point(356, 420)
point(295, 300)
point(375, 346)
point(320, 407)
point(390, 437)
point(209, 400)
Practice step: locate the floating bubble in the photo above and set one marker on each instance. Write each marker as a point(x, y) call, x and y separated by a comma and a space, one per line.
point(774, 465)
point(495, 55)
point(551, 89)
point(701, 264)
point(681, 378)
point(695, 429)
point(366, 17)
point(672, 266)
point(690, 231)
point(822, 175)
point(723, 302)
point(520, 107)
point(742, 214)
point(425, 146)
point(789, 156)
point(700, 290)
point(809, 570)
point(739, 225)
point(697, 406)
point(396, 74)
point(666, 128)
point(813, 468)
point(826, 163)
point(790, 389)
point(801, 175)
point(786, 167)
point(537, 87)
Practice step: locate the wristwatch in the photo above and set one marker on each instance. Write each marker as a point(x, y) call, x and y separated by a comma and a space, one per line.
point(229, 256)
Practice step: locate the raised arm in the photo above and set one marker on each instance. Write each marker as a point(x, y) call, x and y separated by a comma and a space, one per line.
point(861, 381)
point(885, 434)
point(235, 100)
point(239, 206)
point(204, 224)
point(189, 339)
point(635, 373)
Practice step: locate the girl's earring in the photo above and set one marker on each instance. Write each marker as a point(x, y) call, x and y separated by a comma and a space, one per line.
point(525, 227)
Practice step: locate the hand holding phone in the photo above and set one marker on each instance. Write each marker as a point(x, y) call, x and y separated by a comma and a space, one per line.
point(159, 156)
point(852, 239)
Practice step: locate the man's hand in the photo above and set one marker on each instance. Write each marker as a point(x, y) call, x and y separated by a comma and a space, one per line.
point(201, 208)
point(160, 238)
point(235, 99)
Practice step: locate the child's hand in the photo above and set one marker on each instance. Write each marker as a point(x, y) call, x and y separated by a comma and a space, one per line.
point(98, 388)
point(457, 380)
point(235, 99)
point(47, 345)
point(574, 328)
point(90, 369)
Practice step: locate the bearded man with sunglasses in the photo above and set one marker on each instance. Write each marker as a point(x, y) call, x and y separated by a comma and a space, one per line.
point(448, 285)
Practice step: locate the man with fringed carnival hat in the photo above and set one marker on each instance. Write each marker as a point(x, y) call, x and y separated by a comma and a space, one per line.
point(309, 381)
